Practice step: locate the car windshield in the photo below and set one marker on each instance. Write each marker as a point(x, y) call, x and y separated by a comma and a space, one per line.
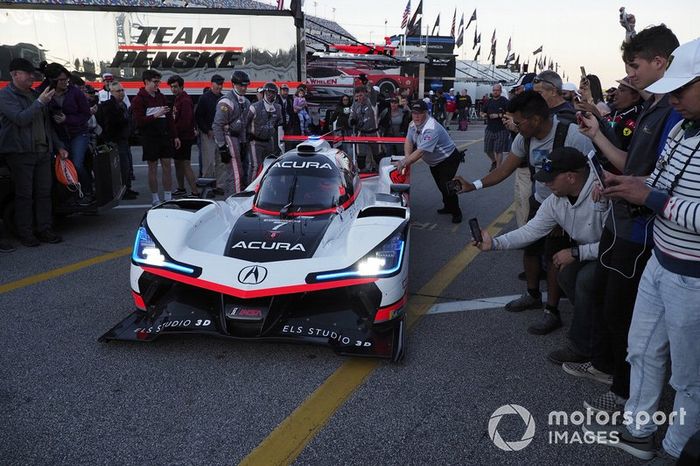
point(296, 192)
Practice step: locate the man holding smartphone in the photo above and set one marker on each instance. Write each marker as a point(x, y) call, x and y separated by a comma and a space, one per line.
point(565, 172)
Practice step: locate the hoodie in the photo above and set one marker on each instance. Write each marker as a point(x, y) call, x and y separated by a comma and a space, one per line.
point(142, 107)
point(582, 221)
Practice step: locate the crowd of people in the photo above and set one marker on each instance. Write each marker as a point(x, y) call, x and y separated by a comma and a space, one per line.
point(620, 242)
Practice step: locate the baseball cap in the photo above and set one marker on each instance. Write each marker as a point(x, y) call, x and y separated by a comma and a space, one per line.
point(419, 106)
point(218, 79)
point(560, 160)
point(569, 87)
point(525, 79)
point(684, 66)
point(626, 82)
point(22, 64)
point(284, 86)
point(107, 76)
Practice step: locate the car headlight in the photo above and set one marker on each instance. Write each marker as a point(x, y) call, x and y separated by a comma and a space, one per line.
point(383, 261)
point(148, 252)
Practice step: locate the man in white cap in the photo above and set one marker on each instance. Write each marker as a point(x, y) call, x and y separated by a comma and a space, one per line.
point(666, 318)
point(569, 92)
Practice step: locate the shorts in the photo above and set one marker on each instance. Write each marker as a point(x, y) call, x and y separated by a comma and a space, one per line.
point(157, 148)
point(185, 150)
point(548, 245)
point(496, 141)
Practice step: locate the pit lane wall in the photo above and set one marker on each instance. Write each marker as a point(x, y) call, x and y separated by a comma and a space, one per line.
point(195, 43)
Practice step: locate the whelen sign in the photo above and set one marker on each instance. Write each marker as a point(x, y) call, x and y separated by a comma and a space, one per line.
point(194, 43)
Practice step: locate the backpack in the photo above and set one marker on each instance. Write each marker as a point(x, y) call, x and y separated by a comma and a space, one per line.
point(559, 141)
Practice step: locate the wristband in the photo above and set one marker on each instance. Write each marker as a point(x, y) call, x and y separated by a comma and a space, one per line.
point(478, 184)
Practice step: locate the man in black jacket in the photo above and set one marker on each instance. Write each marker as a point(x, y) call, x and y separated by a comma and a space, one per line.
point(27, 140)
point(115, 120)
point(286, 101)
point(204, 117)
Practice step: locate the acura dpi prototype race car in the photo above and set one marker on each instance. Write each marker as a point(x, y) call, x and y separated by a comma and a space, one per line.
point(310, 252)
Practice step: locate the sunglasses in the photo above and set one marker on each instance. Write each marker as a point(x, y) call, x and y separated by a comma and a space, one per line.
point(678, 93)
point(540, 80)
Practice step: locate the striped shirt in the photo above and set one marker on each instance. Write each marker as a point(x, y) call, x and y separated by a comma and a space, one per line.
point(677, 222)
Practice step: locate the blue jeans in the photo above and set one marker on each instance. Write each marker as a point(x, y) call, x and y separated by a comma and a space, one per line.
point(77, 153)
point(666, 320)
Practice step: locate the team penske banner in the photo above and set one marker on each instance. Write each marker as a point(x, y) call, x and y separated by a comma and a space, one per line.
point(194, 44)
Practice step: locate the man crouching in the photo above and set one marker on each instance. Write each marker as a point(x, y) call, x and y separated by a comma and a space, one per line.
point(565, 172)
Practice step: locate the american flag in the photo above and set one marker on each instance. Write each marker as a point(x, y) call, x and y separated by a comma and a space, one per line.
point(406, 13)
point(280, 4)
point(454, 23)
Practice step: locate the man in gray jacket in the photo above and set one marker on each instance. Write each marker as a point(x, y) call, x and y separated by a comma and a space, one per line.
point(566, 174)
point(27, 141)
point(231, 136)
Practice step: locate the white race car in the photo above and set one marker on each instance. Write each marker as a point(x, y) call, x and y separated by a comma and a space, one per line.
point(311, 252)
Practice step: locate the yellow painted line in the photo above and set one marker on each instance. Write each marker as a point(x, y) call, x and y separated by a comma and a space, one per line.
point(286, 442)
point(55, 273)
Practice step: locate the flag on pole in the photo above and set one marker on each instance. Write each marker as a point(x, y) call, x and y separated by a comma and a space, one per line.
point(493, 37)
point(473, 18)
point(478, 52)
point(406, 14)
point(508, 44)
point(460, 38)
point(414, 26)
point(493, 53)
point(539, 50)
point(454, 24)
point(280, 4)
point(477, 40)
point(436, 26)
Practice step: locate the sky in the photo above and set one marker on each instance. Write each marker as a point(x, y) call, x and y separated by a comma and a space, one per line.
point(572, 33)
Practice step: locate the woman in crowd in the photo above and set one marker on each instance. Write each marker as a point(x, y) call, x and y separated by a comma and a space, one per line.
point(301, 109)
point(592, 93)
point(70, 111)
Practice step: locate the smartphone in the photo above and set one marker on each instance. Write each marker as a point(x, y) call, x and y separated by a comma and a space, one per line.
point(596, 167)
point(583, 73)
point(476, 231)
point(52, 84)
point(454, 186)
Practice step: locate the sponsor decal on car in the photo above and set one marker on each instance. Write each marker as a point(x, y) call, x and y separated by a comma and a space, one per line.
point(325, 333)
point(174, 324)
point(271, 246)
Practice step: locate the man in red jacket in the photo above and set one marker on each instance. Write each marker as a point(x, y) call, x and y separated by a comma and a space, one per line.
point(158, 135)
point(183, 114)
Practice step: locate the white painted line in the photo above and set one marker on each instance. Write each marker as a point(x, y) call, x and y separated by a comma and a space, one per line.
point(495, 302)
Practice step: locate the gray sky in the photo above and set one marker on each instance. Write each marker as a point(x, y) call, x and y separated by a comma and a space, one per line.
point(573, 33)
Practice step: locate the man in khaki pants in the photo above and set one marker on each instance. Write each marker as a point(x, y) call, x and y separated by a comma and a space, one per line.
point(204, 117)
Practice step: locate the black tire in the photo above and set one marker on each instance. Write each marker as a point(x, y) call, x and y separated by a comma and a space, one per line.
point(387, 85)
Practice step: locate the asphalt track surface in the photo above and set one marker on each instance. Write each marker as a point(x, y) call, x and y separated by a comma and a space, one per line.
point(67, 399)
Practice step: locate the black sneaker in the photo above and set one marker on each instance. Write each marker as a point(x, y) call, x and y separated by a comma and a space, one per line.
point(48, 236)
point(129, 195)
point(29, 241)
point(444, 210)
point(661, 458)
point(179, 192)
point(548, 324)
point(559, 357)
point(6, 246)
point(619, 437)
point(523, 303)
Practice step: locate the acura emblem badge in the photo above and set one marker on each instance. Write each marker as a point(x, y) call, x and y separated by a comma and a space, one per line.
point(252, 275)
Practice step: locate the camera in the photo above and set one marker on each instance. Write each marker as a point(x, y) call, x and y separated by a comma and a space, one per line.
point(638, 210)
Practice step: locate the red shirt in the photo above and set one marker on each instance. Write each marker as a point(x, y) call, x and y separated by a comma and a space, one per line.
point(184, 116)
